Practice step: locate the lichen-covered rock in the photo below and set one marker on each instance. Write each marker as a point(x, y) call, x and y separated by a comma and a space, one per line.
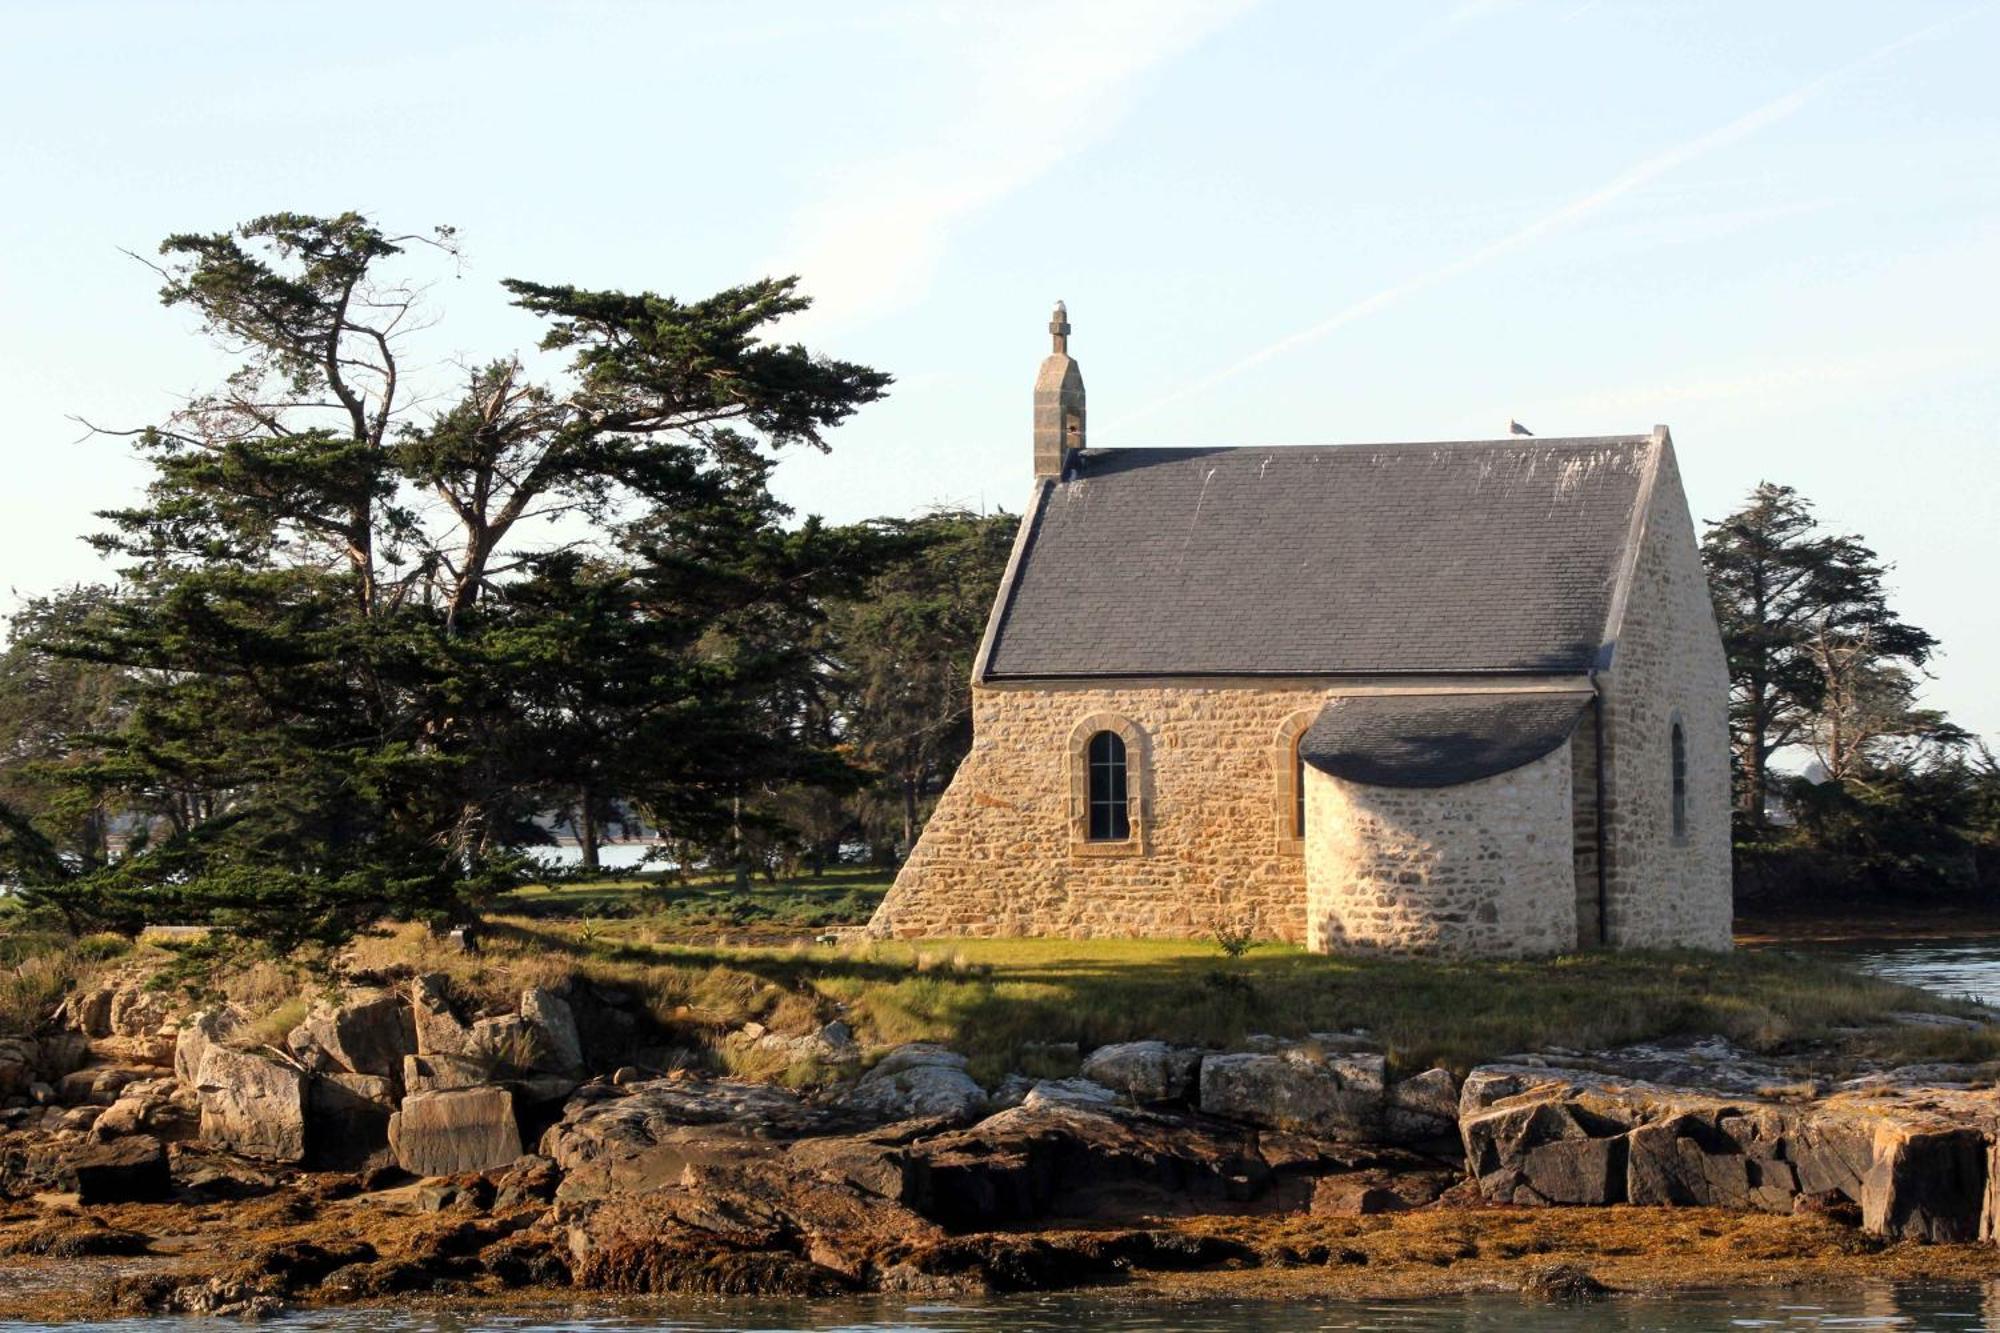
point(1334, 1095)
point(1421, 1107)
point(446, 1133)
point(1076, 1092)
point(199, 1032)
point(437, 1027)
point(443, 1073)
point(642, 1136)
point(158, 1106)
point(558, 1047)
point(918, 1080)
point(1145, 1071)
point(252, 1105)
point(364, 1032)
point(138, 1012)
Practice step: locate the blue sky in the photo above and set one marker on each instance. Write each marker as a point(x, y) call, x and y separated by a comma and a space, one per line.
point(1775, 227)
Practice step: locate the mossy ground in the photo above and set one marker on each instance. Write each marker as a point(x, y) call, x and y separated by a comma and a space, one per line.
point(1019, 1004)
point(704, 959)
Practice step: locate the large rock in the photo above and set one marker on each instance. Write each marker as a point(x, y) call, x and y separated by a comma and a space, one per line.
point(131, 1170)
point(1574, 1171)
point(201, 1031)
point(159, 1106)
point(127, 1170)
point(138, 1012)
point(644, 1135)
point(1913, 1158)
point(1081, 1093)
point(20, 1061)
point(1686, 1160)
point(437, 1027)
point(443, 1073)
point(446, 1133)
point(558, 1048)
point(1071, 1160)
point(1302, 1088)
point(918, 1080)
point(1145, 1071)
point(1421, 1108)
point(350, 1116)
point(1927, 1184)
point(252, 1105)
point(365, 1032)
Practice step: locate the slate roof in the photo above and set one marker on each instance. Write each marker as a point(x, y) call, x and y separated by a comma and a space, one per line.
point(1438, 740)
point(1487, 556)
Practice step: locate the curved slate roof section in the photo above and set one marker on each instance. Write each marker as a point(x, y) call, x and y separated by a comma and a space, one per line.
point(1497, 556)
point(1438, 740)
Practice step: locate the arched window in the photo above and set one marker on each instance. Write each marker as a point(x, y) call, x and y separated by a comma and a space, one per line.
point(1107, 787)
point(1289, 770)
point(1110, 811)
point(1298, 788)
point(1680, 781)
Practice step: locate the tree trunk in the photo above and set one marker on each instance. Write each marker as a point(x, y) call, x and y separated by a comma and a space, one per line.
point(1754, 777)
point(586, 833)
point(909, 811)
point(737, 854)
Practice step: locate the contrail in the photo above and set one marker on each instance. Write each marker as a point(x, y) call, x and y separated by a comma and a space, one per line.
point(1568, 215)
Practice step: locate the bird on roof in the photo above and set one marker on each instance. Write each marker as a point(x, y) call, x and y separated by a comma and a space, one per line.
point(1516, 428)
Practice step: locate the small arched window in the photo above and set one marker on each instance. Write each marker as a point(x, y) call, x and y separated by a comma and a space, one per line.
point(1110, 812)
point(1288, 771)
point(1680, 781)
point(1298, 787)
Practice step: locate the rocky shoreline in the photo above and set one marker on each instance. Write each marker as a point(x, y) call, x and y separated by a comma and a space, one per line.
point(396, 1145)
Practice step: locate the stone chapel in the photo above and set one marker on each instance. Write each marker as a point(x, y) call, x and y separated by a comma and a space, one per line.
point(1463, 698)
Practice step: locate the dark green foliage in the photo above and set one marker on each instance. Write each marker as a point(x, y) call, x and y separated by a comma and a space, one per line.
point(907, 648)
point(364, 636)
point(1816, 655)
point(1822, 666)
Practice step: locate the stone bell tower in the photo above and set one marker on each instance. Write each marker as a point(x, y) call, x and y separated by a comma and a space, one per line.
point(1058, 403)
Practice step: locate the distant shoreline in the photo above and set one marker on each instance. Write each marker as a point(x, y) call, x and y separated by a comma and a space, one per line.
point(1857, 926)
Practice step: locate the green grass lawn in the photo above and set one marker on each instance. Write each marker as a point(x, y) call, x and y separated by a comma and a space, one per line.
point(844, 895)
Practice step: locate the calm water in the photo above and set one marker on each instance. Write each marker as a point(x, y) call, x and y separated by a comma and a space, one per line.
point(1959, 968)
point(1905, 1309)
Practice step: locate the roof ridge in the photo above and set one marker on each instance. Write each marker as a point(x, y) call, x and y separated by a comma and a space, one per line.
point(1510, 441)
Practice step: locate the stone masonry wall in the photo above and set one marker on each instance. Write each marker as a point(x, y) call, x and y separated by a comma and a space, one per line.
point(1668, 664)
point(1482, 869)
point(1000, 855)
point(1583, 827)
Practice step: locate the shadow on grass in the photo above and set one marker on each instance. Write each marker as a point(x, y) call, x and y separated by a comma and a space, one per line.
point(1005, 1003)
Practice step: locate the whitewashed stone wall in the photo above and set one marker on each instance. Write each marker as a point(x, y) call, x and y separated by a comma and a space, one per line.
point(1668, 663)
point(1481, 869)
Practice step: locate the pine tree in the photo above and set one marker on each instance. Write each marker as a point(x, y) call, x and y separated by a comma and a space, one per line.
point(372, 639)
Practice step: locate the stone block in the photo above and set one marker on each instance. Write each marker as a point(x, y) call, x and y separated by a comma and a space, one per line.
point(251, 1105)
point(1576, 1171)
point(1145, 1071)
point(1927, 1185)
point(447, 1133)
point(365, 1032)
point(132, 1169)
point(1333, 1096)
